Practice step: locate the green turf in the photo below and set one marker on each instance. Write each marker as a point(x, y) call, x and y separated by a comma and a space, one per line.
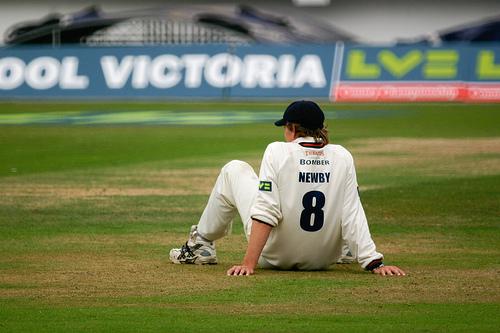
point(88, 213)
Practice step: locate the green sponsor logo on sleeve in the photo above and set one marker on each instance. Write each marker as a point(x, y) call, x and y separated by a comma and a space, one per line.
point(265, 186)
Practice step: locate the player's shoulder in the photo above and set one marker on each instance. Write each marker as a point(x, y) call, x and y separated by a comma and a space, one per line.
point(278, 146)
point(275, 150)
point(340, 151)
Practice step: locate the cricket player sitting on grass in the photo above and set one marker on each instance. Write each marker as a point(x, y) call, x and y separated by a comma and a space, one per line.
point(303, 212)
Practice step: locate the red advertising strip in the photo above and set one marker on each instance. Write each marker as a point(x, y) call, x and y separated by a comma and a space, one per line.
point(399, 92)
point(483, 92)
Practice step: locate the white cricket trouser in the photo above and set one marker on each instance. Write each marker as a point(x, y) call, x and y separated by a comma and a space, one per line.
point(234, 191)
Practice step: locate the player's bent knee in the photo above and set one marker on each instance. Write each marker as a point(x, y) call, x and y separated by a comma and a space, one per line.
point(236, 167)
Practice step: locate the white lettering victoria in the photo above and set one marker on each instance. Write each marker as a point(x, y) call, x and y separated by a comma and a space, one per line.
point(222, 70)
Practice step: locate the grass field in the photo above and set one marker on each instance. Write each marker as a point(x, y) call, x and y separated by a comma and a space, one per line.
point(89, 212)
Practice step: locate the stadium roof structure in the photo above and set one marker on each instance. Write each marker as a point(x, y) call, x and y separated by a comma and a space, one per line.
point(176, 24)
point(487, 30)
point(483, 31)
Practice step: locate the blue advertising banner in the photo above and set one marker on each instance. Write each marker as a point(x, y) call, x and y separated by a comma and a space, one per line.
point(484, 64)
point(418, 73)
point(177, 71)
point(484, 75)
point(342, 73)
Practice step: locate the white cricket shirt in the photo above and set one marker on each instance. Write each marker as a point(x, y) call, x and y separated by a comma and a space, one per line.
point(309, 194)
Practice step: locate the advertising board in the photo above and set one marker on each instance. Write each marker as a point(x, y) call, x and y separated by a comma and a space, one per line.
point(341, 73)
point(180, 71)
point(409, 73)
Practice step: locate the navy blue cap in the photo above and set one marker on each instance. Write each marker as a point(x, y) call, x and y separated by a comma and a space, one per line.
point(306, 113)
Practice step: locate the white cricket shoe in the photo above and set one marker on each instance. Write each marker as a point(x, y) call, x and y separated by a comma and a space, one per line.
point(196, 251)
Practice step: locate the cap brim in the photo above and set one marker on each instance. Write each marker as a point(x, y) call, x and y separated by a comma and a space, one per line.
point(281, 122)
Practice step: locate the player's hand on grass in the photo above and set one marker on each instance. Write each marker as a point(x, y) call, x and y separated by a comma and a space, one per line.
point(240, 270)
point(389, 270)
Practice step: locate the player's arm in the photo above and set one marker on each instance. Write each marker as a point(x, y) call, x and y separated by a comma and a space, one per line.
point(355, 230)
point(258, 238)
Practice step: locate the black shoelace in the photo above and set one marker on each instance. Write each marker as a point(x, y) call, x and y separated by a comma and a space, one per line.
point(185, 249)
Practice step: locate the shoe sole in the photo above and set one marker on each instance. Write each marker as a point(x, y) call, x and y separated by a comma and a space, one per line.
point(194, 262)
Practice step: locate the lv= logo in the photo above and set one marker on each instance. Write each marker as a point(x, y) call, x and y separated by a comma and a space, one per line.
point(265, 186)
